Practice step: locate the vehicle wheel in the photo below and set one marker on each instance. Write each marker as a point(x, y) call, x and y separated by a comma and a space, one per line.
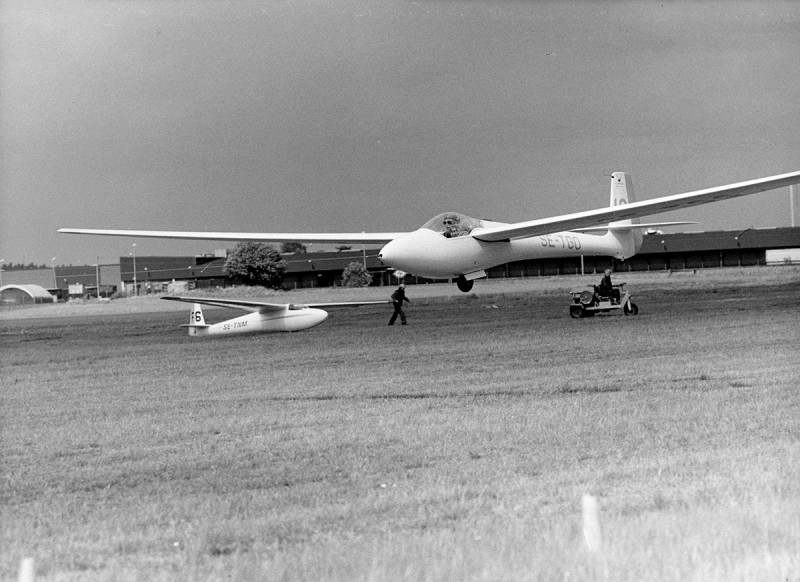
point(587, 297)
point(630, 308)
point(575, 311)
point(463, 284)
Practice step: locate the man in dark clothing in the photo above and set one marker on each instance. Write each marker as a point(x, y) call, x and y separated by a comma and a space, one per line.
point(397, 300)
point(606, 288)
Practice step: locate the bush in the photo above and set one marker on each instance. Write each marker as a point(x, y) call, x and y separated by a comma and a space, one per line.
point(254, 263)
point(356, 275)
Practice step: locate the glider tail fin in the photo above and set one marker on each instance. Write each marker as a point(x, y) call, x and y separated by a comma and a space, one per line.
point(622, 193)
point(197, 321)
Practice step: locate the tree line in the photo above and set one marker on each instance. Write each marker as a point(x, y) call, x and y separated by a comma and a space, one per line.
point(260, 264)
point(254, 263)
point(22, 266)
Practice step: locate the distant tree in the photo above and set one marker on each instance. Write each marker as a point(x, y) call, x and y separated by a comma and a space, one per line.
point(293, 247)
point(355, 275)
point(253, 263)
point(22, 266)
point(341, 248)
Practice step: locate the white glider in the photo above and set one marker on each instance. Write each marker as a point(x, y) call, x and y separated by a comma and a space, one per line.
point(263, 317)
point(453, 245)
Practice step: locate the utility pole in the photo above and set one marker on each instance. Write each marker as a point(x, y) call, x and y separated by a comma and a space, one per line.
point(135, 285)
point(791, 203)
point(364, 253)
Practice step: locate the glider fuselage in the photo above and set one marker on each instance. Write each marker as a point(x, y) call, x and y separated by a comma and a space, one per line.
point(288, 319)
point(429, 253)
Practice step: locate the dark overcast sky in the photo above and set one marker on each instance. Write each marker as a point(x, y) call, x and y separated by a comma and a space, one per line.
point(375, 115)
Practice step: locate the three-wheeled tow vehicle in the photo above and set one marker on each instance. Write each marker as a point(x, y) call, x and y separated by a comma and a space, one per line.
point(587, 302)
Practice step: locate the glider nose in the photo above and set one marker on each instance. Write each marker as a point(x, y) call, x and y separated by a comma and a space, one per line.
point(313, 317)
point(320, 315)
point(409, 252)
point(382, 257)
point(391, 253)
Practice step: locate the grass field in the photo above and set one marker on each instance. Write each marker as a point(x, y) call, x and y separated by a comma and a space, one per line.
point(455, 448)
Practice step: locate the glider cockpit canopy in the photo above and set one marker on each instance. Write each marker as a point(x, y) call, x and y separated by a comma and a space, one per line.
point(453, 224)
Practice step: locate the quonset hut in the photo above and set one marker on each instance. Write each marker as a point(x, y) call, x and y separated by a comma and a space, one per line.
point(24, 294)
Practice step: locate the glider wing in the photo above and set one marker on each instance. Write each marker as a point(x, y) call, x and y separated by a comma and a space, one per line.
point(342, 304)
point(278, 237)
point(257, 306)
point(602, 216)
point(262, 307)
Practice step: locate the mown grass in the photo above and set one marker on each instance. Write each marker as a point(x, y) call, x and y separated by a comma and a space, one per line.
point(456, 448)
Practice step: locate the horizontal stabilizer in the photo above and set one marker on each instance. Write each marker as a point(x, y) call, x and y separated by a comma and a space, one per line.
point(631, 226)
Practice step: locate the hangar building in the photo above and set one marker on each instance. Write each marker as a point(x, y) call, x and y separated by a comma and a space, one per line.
point(24, 294)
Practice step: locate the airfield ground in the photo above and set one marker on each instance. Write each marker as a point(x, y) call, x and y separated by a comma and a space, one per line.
point(455, 448)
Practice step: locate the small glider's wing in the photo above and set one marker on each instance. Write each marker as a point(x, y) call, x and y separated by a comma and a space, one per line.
point(277, 237)
point(602, 216)
point(262, 307)
point(342, 304)
point(257, 306)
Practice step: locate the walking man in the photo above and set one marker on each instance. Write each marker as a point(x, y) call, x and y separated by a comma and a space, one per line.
point(398, 297)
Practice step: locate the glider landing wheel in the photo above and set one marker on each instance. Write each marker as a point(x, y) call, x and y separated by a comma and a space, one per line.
point(575, 311)
point(630, 308)
point(463, 284)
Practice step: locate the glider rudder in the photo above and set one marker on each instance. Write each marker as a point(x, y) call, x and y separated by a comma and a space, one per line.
point(622, 193)
point(196, 319)
point(621, 189)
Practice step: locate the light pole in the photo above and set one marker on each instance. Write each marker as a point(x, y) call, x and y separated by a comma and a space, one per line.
point(364, 253)
point(97, 276)
point(135, 286)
